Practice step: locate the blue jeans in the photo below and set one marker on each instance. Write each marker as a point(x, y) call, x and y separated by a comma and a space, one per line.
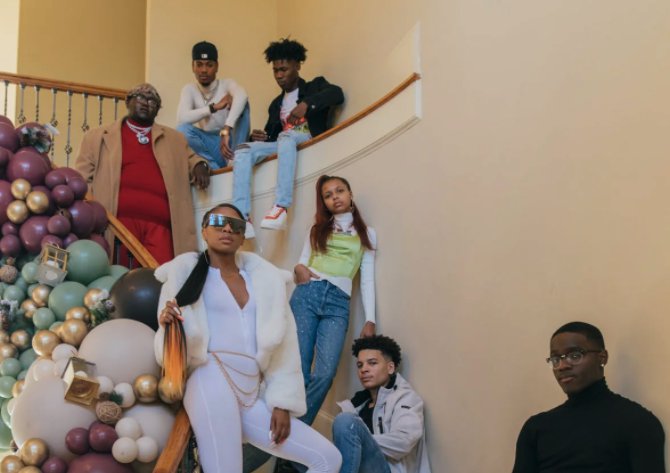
point(321, 312)
point(360, 452)
point(208, 143)
point(249, 154)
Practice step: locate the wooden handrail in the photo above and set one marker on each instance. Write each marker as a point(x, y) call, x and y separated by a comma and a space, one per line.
point(141, 254)
point(176, 444)
point(63, 86)
point(344, 123)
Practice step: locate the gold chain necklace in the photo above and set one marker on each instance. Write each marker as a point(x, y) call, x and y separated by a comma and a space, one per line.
point(207, 97)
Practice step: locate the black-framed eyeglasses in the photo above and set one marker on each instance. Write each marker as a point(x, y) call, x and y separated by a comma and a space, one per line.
point(218, 221)
point(151, 101)
point(572, 358)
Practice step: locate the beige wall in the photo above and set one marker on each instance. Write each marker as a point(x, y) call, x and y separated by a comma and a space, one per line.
point(9, 40)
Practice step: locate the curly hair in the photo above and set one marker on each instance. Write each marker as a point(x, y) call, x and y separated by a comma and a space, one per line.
point(287, 49)
point(386, 345)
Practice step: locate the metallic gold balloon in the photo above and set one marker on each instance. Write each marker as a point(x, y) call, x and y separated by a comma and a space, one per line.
point(93, 296)
point(78, 313)
point(37, 202)
point(44, 342)
point(167, 391)
point(34, 452)
point(11, 464)
point(28, 307)
point(40, 295)
point(8, 350)
point(17, 211)
point(18, 387)
point(21, 339)
point(73, 332)
point(21, 188)
point(145, 387)
point(30, 469)
point(4, 338)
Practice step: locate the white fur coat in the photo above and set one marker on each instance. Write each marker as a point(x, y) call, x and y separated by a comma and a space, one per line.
point(277, 355)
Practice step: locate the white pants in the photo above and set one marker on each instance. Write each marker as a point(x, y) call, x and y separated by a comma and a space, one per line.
point(221, 425)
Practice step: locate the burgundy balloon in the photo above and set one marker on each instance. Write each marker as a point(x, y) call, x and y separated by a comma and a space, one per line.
point(28, 164)
point(54, 178)
point(6, 198)
point(97, 463)
point(5, 157)
point(52, 240)
point(8, 228)
point(76, 440)
point(78, 186)
point(59, 225)
point(83, 219)
point(62, 195)
point(32, 231)
point(54, 465)
point(100, 240)
point(8, 137)
point(10, 245)
point(68, 240)
point(4, 119)
point(71, 174)
point(100, 214)
point(101, 437)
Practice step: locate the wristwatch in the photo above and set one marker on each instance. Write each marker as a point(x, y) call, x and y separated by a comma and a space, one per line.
point(212, 110)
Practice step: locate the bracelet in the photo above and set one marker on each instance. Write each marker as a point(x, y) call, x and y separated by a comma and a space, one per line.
point(212, 110)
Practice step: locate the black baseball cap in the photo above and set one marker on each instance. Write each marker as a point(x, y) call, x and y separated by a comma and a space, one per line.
point(205, 51)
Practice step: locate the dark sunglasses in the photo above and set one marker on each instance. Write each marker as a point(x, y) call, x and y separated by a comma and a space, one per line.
point(237, 225)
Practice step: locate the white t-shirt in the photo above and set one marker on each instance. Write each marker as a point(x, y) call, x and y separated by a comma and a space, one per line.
point(288, 103)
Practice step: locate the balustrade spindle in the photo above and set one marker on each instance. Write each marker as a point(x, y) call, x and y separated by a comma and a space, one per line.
point(99, 110)
point(84, 126)
point(21, 118)
point(68, 146)
point(5, 101)
point(37, 103)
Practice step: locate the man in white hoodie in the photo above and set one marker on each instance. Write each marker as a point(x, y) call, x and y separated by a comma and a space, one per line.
point(381, 430)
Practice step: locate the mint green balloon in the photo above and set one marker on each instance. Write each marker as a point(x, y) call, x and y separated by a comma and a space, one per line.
point(43, 318)
point(6, 384)
point(116, 270)
point(87, 261)
point(67, 294)
point(22, 375)
point(54, 326)
point(10, 367)
point(4, 412)
point(3, 285)
point(29, 272)
point(5, 436)
point(105, 282)
point(20, 282)
point(30, 289)
point(14, 293)
point(27, 357)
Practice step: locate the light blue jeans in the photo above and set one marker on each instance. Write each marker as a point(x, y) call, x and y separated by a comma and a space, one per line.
point(360, 452)
point(321, 312)
point(249, 154)
point(208, 143)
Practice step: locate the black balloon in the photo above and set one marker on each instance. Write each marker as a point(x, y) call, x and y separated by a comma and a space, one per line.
point(135, 296)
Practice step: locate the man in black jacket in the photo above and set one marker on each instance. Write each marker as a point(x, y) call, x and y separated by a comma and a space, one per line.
point(299, 113)
point(595, 430)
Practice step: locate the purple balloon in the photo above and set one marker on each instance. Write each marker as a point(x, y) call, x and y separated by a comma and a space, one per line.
point(10, 245)
point(78, 186)
point(59, 225)
point(5, 157)
point(101, 437)
point(83, 218)
point(52, 240)
point(8, 228)
point(8, 137)
point(54, 465)
point(100, 214)
point(4, 119)
point(76, 441)
point(68, 240)
point(100, 240)
point(71, 174)
point(32, 231)
point(28, 164)
point(6, 198)
point(54, 178)
point(62, 195)
point(97, 463)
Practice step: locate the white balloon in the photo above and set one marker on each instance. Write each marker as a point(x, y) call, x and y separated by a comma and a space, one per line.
point(59, 366)
point(156, 421)
point(63, 351)
point(106, 385)
point(128, 427)
point(147, 449)
point(42, 369)
point(11, 405)
point(125, 390)
point(125, 450)
point(122, 349)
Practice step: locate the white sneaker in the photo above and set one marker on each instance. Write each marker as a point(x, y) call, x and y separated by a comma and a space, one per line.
point(275, 219)
point(249, 231)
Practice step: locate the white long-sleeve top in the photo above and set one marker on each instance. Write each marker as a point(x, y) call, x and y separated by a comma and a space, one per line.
point(194, 109)
point(344, 223)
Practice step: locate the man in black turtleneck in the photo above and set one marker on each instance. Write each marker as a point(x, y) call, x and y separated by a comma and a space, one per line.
point(595, 430)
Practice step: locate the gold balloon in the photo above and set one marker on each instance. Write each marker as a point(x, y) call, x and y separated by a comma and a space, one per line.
point(167, 391)
point(11, 464)
point(73, 331)
point(18, 387)
point(93, 296)
point(146, 388)
point(78, 313)
point(34, 452)
point(40, 295)
point(44, 342)
point(20, 338)
point(37, 202)
point(21, 188)
point(7, 350)
point(30, 469)
point(4, 338)
point(28, 307)
point(17, 211)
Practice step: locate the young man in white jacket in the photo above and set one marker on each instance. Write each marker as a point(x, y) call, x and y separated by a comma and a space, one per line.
point(381, 429)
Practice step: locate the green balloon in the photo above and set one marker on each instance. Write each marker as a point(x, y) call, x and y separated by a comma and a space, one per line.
point(20, 282)
point(30, 289)
point(10, 367)
point(4, 412)
point(54, 326)
point(22, 375)
point(43, 318)
point(105, 282)
point(5, 436)
point(116, 270)
point(6, 384)
point(87, 261)
point(27, 357)
point(29, 272)
point(3, 285)
point(14, 293)
point(67, 295)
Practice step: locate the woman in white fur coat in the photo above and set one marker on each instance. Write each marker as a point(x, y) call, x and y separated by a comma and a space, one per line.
point(245, 382)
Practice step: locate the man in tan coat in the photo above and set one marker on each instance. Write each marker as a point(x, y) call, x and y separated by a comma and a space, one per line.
point(141, 172)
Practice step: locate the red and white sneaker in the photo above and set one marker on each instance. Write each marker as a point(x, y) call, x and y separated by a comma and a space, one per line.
point(275, 219)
